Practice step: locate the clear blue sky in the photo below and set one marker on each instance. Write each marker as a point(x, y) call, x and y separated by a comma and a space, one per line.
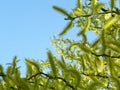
point(26, 27)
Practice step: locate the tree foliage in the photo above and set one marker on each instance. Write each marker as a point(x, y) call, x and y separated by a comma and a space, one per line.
point(77, 64)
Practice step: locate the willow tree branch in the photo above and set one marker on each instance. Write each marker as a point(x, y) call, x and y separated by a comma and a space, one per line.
point(105, 55)
point(88, 15)
point(97, 75)
point(52, 77)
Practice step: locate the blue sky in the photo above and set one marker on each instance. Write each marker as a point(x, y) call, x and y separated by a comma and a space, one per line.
point(26, 27)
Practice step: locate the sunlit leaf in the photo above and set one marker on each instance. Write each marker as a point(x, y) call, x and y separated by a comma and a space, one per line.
point(1, 71)
point(116, 43)
point(93, 3)
point(111, 21)
point(24, 84)
point(62, 11)
point(65, 30)
point(86, 27)
point(112, 4)
point(103, 41)
point(78, 12)
point(100, 65)
point(52, 62)
point(77, 75)
point(34, 65)
point(116, 83)
point(98, 7)
point(95, 42)
point(79, 4)
point(114, 48)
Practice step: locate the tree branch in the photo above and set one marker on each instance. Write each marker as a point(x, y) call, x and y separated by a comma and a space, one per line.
point(105, 55)
point(52, 77)
point(88, 15)
point(98, 75)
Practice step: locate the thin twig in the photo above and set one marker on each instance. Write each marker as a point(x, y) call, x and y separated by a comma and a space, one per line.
point(52, 77)
point(98, 75)
point(105, 55)
point(88, 15)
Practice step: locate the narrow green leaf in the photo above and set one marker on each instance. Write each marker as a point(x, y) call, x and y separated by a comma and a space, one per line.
point(14, 64)
point(1, 71)
point(2, 85)
point(114, 48)
point(62, 65)
point(103, 40)
point(95, 42)
point(29, 69)
point(117, 10)
point(77, 75)
point(52, 63)
point(114, 42)
point(98, 7)
point(80, 46)
point(83, 63)
point(116, 81)
point(110, 64)
point(33, 64)
point(111, 21)
point(79, 4)
point(99, 65)
point(69, 25)
point(84, 38)
point(93, 3)
point(87, 25)
point(46, 85)
point(95, 83)
point(62, 11)
point(9, 71)
point(78, 12)
point(10, 81)
point(112, 4)
point(24, 84)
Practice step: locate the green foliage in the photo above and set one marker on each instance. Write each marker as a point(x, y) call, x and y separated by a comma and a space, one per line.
point(111, 21)
point(112, 4)
point(97, 61)
point(77, 64)
point(62, 11)
point(52, 63)
point(69, 25)
point(79, 4)
point(87, 25)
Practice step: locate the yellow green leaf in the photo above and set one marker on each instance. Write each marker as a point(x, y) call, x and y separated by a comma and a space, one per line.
point(87, 25)
point(69, 25)
point(111, 21)
point(62, 11)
